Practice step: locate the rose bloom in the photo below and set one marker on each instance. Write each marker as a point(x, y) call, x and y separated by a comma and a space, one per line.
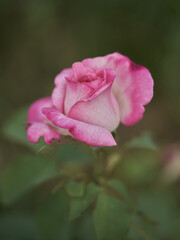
point(90, 99)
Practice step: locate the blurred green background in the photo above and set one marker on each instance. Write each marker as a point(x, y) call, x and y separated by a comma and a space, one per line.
point(40, 38)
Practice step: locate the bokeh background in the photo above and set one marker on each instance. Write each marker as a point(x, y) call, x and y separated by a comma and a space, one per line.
point(40, 38)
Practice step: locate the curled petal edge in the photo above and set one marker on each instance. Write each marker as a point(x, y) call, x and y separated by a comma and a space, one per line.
point(88, 133)
point(37, 130)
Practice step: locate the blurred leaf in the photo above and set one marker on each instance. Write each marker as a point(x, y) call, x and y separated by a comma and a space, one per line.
point(21, 175)
point(142, 230)
point(73, 152)
point(86, 229)
point(121, 189)
point(75, 189)
point(78, 205)
point(163, 208)
point(16, 226)
point(111, 220)
point(143, 141)
point(16, 131)
point(139, 166)
point(52, 217)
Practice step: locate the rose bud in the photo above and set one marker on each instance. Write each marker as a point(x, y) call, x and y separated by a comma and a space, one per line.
point(90, 99)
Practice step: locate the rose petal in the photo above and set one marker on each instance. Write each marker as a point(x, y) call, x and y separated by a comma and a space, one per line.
point(100, 109)
point(80, 71)
point(75, 91)
point(88, 133)
point(35, 113)
point(37, 130)
point(95, 63)
point(133, 87)
point(58, 94)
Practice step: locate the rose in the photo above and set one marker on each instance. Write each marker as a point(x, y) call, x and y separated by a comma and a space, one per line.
point(91, 99)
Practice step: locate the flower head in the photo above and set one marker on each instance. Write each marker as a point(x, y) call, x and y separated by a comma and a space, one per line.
point(90, 99)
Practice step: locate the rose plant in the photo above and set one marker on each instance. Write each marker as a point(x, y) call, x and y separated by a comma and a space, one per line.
point(90, 99)
point(82, 190)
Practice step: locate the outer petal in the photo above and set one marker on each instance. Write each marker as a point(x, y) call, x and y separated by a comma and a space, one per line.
point(37, 130)
point(38, 126)
point(101, 109)
point(133, 87)
point(35, 113)
point(58, 94)
point(88, 133)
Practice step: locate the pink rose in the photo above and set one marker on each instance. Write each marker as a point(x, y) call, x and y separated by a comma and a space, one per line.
point(91, 99)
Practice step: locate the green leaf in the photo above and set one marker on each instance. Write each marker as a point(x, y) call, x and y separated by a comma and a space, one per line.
point(141, 230)
point(78, 205)
point(121, 189)
point(139, 166)
point(15, 130)
point(17, 226)
point(73, 153)
point(21, 175)
point(143, 141)
point(86, 229)
point(162, 207)
point(75, 189)
point(111, 220)
point(52, 217)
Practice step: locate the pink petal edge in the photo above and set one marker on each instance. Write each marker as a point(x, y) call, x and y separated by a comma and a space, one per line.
point(37, 130)
point(88, 133)
point(35, 113)
point(59, 92)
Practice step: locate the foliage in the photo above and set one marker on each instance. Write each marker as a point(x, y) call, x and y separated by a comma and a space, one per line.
point(72, 192)
point(111, 219)
point(25, 173)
